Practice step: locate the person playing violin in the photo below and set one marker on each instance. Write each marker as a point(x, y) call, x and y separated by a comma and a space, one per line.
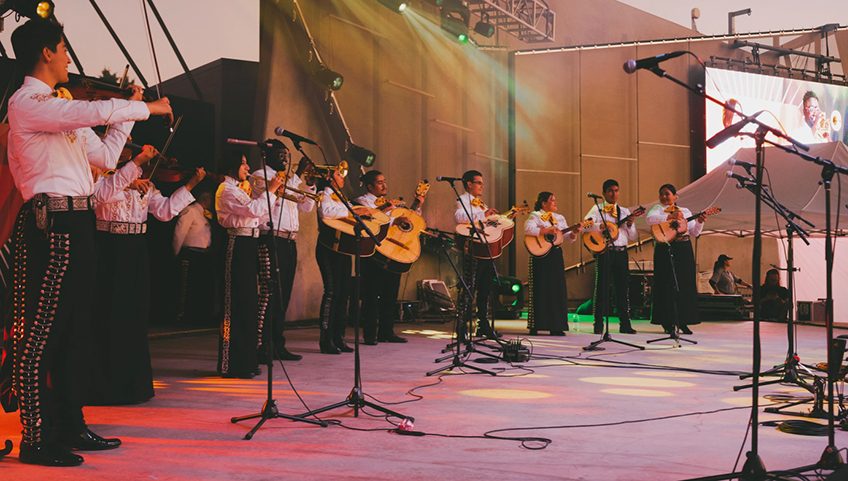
point(51, 146)
point(611, 268)
point(285, 219)
point(239, 213)
point(379, 285)
point(666, 301)
point(479, 273)
point(123, 373)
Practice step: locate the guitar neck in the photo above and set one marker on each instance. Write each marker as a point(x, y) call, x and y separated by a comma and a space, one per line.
point(415, 204)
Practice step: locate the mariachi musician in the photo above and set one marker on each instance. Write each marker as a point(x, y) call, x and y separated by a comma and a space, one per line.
point(123, 373)
point(51, 146)
point(666, 302)
point(379, 285)
point(239, 214)
point(284, 217)
point(548, 293)
point(479, 273)
point(335, 268)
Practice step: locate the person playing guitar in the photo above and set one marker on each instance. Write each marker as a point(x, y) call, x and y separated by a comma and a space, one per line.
point(611, 267)
point(674, 306)
point(379, 286)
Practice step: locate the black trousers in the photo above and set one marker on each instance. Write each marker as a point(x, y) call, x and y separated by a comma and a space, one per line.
point(53, 300)
point(237, 341)
point(379, 300)
point(273, 303)
point(335, 273)
point(666, 302)
point(612, 271)
point(122, 374)
point(548, 293)
point(197, 287)
point(480, 276)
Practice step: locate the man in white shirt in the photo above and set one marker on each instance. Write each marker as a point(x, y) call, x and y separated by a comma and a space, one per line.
point(51, 148)
point(611, 266)
point(479, 273)
point(284, 216)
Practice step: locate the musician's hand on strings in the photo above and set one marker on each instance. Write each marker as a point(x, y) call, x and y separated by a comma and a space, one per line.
point(702, 217)
point(143, 186)
point(491, 211)
point(147, 153)
point(137, 92)
point(199, 174)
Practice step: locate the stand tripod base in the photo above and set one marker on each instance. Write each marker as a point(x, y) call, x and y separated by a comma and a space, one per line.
point(674, 336)
point(457, 362)
point(594, 346)
point(270, 411)
point(356, 400)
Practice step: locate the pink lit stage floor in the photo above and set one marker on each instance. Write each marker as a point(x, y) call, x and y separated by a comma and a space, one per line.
point(184, 433)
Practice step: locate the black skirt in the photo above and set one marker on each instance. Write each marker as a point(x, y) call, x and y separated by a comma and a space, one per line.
point(548, 293)
point(122, 371)
point(664, 295)
point(237, 343)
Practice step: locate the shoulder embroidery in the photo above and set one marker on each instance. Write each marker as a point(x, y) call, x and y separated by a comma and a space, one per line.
point(41, 97)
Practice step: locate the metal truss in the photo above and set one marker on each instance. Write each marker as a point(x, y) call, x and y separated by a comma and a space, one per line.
point(530, 21)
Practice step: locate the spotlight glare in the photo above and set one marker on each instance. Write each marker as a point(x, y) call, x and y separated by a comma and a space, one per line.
point(397, 6)
point(44, 9)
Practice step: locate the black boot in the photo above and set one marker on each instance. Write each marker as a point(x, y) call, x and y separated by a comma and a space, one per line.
point(87, 440)
point(326, 344)
point(341, 345)
point(48, 455)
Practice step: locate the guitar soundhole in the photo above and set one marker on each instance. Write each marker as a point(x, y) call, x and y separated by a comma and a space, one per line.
point(674, 224)
point(550, 238)
point(404, 224)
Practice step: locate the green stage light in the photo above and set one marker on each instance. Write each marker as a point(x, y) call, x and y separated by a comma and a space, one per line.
point(397, 6)
point(516, 288)
point(361, 155)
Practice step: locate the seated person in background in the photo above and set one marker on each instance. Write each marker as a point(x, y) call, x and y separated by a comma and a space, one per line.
point(723, 280)
point(775, 298)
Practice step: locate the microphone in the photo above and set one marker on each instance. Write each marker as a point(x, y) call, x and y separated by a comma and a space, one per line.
point(251, 143)
point(442, 178)
point(730, 131)
point(632, 65)
point(746, 165)
point(593, 196)
point(741, 181)
point(279, 131)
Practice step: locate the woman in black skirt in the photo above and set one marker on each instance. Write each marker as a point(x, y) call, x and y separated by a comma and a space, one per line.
point(548, 294)
point(239, 214)
point(674, 306)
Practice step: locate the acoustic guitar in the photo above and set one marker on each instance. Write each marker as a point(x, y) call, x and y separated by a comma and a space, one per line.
point(670, 230)
point(596, 241)
point(540, 245)
point(402, 245)
point(338, 234)
point(498, 230)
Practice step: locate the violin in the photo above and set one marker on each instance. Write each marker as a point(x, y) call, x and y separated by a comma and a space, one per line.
point(170, 170)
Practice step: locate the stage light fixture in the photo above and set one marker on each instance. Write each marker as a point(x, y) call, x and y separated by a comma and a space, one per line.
point(509, 297)
point(397, 6)
point(456, 29)
point(455, 16)
point(30, 8)
point(484, 28)
point(328, 78)
point(361, 155)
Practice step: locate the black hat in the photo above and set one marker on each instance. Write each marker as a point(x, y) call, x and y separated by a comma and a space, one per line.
point(724, 257)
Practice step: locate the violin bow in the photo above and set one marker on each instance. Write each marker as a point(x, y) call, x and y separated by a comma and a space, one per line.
point(166, 146)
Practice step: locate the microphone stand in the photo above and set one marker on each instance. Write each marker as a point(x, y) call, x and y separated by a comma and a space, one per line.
point(605, 269)
point(269, 408)
point(356, 398)
point(675, 328)
point(753, 468)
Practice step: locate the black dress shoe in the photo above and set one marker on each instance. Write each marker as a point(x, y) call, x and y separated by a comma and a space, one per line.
point(369, 341)
point(48, 455)
point(599, 329)
point(242, 375)
point(284, 354)
point(627, 330)
point(327, 347)
point(342, 346)
point(392, 338)
point(87, 440)
point(685, 329)
point(668, 330)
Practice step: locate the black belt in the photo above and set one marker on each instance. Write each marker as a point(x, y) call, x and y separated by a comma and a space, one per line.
point(617, 248)
point(63, 204)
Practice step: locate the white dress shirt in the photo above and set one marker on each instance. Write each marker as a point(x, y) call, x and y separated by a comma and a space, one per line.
point(192, 229)
point(477, 213)
point(235, 208)
point(626, 234)
point(108, 188)
point(51, 144)
point(283, 211)
point(330, 208)
point(535, 224)
point(658, 215)
point(131, 206)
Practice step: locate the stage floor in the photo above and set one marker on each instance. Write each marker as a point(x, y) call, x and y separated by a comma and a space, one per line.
point(184, 432)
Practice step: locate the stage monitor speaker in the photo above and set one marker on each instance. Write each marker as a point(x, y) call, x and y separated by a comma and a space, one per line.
point(804, 311)
point(435, 299)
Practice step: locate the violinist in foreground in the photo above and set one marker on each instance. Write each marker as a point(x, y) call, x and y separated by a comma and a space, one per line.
point(51, 146)
point(121, 367)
